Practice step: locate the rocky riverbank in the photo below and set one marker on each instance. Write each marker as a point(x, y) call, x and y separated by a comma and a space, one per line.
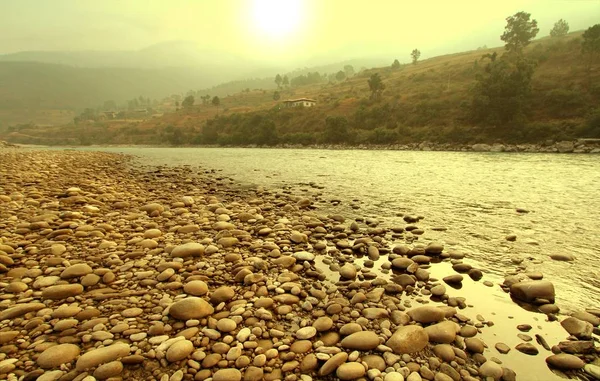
point(577, 146)
point(111, 272)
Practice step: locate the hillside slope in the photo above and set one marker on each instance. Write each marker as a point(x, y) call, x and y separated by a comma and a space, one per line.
point(426, 101)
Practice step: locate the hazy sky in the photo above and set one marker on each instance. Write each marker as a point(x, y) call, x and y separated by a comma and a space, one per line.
point(277, 30)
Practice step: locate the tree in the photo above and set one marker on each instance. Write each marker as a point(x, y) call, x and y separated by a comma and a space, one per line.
point(396, 64)
point(376, 86)
point(188, 102)
point(336, 129)
point(519, 32)
point(278, 81)
point(176, 105)
point(349, 70)
point(501, 92)
point(415, 55)
point(591, 41)
point(216, 101)
point(340, 75)
point(286, 81)
point(276, 96)
point(560, 29)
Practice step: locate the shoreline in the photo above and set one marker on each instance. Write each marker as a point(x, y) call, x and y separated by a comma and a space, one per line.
point(580, 146)
point(104, 253)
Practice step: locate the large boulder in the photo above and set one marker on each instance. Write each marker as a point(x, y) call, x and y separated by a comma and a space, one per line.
point(408, 339)
point(533, 291)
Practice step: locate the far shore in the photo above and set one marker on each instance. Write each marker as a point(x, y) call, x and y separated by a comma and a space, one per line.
point(575, 146)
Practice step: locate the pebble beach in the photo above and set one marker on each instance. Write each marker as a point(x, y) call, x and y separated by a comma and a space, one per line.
point(116, 271)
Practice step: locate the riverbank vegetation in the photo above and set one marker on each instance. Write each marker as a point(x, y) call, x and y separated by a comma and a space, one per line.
point(528, 91)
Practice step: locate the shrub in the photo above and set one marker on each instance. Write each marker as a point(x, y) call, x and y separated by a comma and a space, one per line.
point(564, 103)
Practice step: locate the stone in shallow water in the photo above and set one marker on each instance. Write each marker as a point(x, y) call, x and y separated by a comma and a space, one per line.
point(533, 290)
point(565, 361)
point(527, 348)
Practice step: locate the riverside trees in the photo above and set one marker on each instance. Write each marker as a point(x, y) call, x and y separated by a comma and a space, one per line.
point(502, 90)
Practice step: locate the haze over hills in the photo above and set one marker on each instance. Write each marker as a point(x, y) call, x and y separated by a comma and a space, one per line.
point(34, 81)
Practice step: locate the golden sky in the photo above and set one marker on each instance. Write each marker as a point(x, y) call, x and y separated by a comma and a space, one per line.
point(277, 30)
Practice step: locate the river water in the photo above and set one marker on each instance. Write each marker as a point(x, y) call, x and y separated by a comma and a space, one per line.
point(474, 197)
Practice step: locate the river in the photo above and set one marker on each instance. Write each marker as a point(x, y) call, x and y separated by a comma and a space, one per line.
point(474, 196)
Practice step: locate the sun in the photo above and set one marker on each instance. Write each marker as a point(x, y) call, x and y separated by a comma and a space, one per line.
point(277, 19)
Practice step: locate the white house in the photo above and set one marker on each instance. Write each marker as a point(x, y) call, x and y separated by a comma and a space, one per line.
point(303, 102)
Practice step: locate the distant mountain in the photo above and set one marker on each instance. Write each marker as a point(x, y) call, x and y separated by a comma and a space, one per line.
point(32, 85)
point(54, 80)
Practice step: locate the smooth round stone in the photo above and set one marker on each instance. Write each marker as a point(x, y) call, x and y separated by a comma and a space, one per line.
point(408, 339)
point(350, 371)
point(394, 376)
point(565, 361)
point(196, 288)
point(306, 333)
point(502, 348)
point(363, 340)
point(111, 369)
point(132, 312)
point(426, 314)
point(444, 351)
point(90, 280)
point(333, 363)
point(222, 294)
point(301, 346)
point(374, 362)
point(16, 287)
point(75, 271)
point(62, 291)
point(57, 355)
point(179, 350)
point(304, 256)
point(348, 271)
point(453, 279)
point(438, 290)
point(190, 308)
point(227, 375)
point(226, 325)
point(191, 249)
point(102, 355)
point(324, 323)
point(491, 369)
point(592, 370)
point(529, 291)
point(474, 345)
point(443, 332)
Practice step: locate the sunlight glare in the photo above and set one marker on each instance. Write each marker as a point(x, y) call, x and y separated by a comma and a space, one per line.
point(277, 18)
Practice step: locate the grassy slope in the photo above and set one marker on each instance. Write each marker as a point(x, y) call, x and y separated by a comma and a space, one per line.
point(428, 100)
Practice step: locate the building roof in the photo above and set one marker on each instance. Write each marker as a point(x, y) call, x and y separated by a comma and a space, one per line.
point(300, 100)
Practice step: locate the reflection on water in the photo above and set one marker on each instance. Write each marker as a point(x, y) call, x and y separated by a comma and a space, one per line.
point(473, 195)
